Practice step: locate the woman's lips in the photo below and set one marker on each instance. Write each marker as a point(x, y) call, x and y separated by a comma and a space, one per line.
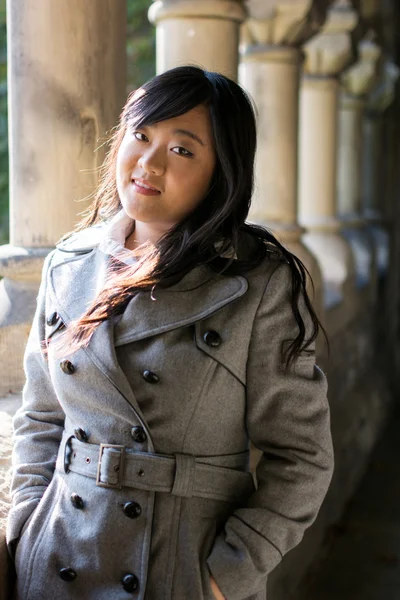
point(144, 190)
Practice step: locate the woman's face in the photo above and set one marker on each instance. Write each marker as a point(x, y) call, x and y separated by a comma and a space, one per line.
point(176, 158)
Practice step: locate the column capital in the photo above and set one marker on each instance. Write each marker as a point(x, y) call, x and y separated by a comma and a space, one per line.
point(271, 54)
point(282, 23)
point(382, 96)
point(359, 79)
point(327, 53)
point(233, 10)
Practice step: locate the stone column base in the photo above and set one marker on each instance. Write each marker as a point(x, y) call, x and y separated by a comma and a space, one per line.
point(21, 269)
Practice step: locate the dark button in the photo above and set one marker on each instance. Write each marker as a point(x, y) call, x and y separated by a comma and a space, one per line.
point(67, 574)
point(67, 366)
point(132, 510)
point(138, 434)
point(130, 582)
point(81, 434)
point(77, 500)
point(150, 377)
point(212, 338)
point(52, 319)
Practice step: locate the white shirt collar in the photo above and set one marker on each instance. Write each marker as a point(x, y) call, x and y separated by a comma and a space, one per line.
point(117, 229)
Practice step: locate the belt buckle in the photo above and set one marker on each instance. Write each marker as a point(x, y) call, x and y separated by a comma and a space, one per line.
point(120, 471)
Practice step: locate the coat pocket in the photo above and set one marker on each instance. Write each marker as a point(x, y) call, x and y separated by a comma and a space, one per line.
point(191, 578)
point(26, 524)
point(32, 534)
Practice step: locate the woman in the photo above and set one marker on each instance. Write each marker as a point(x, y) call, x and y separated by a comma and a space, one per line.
point(189, 333)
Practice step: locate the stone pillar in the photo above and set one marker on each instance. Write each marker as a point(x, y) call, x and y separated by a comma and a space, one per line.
point(203, 33)
point(372, 141)
point(326, 55)
point(67, 85)
point(376, 186)
point(269, 70)
point(357, 81)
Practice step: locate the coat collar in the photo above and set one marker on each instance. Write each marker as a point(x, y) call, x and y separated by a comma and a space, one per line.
point(74, 284)
point(102, 241)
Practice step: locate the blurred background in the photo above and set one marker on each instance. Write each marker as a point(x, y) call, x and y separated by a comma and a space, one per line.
point(324, 76)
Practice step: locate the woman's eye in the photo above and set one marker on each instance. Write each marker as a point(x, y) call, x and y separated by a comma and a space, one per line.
point(137, 135)
point(182, 151)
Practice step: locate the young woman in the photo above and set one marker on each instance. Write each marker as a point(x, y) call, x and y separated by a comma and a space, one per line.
point(169, 334)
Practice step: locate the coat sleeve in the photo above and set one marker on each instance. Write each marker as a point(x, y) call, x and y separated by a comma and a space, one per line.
point(288, 419)
point(37, 427)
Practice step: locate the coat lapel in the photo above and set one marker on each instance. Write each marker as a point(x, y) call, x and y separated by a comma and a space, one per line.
point(75, 282)
point(199, 294)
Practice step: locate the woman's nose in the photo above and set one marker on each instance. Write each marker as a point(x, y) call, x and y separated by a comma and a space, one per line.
point(151, 162)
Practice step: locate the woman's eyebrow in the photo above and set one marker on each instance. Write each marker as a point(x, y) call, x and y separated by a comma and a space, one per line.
point(189, 134)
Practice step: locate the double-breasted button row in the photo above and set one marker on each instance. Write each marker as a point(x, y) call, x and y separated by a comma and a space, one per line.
point(133, 510)
point(130, 582)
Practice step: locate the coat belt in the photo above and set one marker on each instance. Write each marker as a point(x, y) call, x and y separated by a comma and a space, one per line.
point(115, 466)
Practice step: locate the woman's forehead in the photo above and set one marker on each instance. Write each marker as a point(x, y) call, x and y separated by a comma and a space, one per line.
point(199, 115)
point(196, 121)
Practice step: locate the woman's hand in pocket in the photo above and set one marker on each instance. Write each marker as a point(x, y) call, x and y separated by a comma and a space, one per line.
point(216, 591)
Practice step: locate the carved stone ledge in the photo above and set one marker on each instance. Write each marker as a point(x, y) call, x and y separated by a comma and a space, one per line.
point(382, 96)
point(177, 9)
point(275, 27)
point(284, 23)
point(330, 51)
point(360, 78)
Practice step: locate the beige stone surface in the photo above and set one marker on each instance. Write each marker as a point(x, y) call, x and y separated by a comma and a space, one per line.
point(8, 406)
point(204, 33)
point(326, 55)
point(67, 85)
point(330, 51)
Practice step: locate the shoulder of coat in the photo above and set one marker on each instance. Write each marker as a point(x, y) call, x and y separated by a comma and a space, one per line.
point(273, 259)
point(274, 254)
point(258, 277)
point(82, 241)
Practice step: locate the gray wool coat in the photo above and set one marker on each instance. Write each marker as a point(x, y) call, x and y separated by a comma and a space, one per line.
point(134, 482)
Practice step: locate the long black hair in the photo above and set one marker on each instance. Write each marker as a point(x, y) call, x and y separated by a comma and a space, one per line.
point(218, 223)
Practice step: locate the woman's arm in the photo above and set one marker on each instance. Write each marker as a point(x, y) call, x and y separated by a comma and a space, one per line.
point(37, 424)
point(288, 419)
